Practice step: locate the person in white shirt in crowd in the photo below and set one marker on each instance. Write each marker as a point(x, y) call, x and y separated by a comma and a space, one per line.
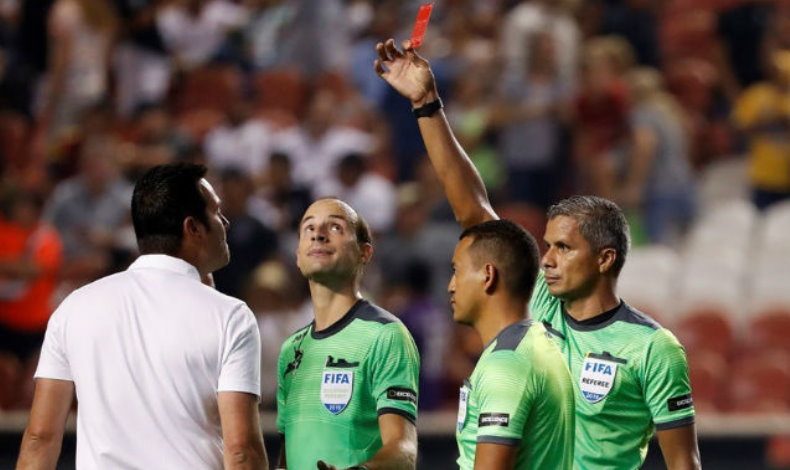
point(166, 370)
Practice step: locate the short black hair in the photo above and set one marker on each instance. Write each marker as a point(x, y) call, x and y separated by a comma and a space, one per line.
point(163, 197)
point(513, 251)
point(601, 222)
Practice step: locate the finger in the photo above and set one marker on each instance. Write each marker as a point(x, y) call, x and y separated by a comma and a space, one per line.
point(392, 51)
point(382, 52)
point(379, 68)
point(411, 53)
point(406, 45)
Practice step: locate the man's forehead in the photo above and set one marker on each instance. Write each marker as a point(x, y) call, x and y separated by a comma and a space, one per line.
point(208, 191)
point(330, 209)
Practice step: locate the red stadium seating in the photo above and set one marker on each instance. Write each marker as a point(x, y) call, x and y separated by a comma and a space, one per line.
point(770, 331)
point(283, 90)
point(760, 383)
point(707, 372)
point(212, 87)
point(706, 330)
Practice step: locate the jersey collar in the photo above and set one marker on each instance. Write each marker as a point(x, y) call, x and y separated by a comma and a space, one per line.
point(337, 326)
point(166, 263)
point(597, 322)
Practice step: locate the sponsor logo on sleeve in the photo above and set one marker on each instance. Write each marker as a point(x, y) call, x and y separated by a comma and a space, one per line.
point(494, 419)
point(680, 403)
point(402, 394)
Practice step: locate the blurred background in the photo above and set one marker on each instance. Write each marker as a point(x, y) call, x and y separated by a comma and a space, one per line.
point(679, 110)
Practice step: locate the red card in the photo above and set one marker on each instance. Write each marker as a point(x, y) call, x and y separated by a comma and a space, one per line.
point(421, 25)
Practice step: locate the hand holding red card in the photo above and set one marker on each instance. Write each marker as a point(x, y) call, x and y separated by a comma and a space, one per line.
point(421, 25)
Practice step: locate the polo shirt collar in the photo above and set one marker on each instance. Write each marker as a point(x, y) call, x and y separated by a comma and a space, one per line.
point(166, 263)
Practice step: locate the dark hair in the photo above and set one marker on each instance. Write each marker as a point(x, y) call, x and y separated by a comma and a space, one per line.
point(163, 197)
point(601, 222)
point(513, 251)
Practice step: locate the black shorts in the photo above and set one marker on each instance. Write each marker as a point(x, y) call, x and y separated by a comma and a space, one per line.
point(21, 344)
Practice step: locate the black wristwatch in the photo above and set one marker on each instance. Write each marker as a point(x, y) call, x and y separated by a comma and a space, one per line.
point(428, 109)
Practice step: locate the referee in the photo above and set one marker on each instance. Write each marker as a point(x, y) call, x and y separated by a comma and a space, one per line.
point(630, 374)
point(516, 411)
point(347, 382)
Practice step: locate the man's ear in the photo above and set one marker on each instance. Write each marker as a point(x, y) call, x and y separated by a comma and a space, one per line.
point(606, 259)
point(366, 252)
point(192, 228)
point(491, 280)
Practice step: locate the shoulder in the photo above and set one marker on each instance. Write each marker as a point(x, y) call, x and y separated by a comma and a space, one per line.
point(371, 312)
point(632, 316)
point(295, 337)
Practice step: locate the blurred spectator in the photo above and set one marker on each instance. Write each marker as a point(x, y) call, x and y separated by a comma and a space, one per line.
point(659, 179)
point(637, 22)
point(285, 200)
point(470, 116)
point(155, 140)
point(532, 110)
point(251, 243)
point(142, 66)
point(532, 16)
point(741, 31)
point(91, 213)
point(318, 38)
point(195, 30)
point(320, 142)
point(30, 257)
point(279, 299)
point(601, 109)
point(81, 34)
point(372, 195)
point(763, 113)
point(269, 25)
point(429, 324)
point(242, 141)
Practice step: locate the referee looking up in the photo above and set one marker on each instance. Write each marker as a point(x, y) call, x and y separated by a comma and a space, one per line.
point(630, 374)
point(347, 382)
point(166, 370)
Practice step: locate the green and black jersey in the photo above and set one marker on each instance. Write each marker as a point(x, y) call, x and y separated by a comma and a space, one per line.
point(631, 377)
point(335, 383)
point(520, 394)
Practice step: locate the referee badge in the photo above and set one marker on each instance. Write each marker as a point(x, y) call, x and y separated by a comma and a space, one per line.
point(463, 401)
point(597, 377)
point(336, 387)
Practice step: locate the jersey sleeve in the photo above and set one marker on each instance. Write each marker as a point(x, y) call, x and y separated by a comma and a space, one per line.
point(395, 372)
point(542, 304)
point(53, 362)
point(282, 364)
point(241, 359)
point(667, 384)
point(504, 395)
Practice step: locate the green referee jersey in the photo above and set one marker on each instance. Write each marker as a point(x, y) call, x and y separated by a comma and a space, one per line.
point(335, 383)
point(520, 394)
point(630, 376)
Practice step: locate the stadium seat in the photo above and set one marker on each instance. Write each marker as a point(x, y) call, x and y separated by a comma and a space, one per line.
point(706, 330)
point(770, 331)
point(760, 383)
point(647, 281)
point(707, 372)
point(199, 122)
point(212, 87)
point(284, 90)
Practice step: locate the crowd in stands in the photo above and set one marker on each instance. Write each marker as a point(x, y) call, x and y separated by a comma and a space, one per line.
point(634, 100)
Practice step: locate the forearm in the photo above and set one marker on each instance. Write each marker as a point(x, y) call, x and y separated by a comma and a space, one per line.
point(462, 183)
point(250, 457)
point(38, 452)
point(400, 455)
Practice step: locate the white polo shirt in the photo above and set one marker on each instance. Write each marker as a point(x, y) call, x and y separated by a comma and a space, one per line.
point(148, 349)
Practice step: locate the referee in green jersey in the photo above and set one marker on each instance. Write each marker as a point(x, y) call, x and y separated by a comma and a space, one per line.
point(516, 411)
point(630, 374)
point(347, 382)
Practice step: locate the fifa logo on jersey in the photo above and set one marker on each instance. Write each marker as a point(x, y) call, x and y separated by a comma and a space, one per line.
point(337, 378)
point(597, 377)
point(597, 367)
point(336, 388)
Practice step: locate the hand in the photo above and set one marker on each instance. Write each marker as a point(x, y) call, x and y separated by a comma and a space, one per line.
point(406, 72)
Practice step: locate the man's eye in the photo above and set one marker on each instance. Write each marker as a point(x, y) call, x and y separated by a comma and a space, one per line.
point(336, 228)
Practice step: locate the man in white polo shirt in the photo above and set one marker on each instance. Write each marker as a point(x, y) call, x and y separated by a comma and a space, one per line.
point(166, 370)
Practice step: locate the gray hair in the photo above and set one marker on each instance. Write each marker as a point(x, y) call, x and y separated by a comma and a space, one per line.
point(601, 222)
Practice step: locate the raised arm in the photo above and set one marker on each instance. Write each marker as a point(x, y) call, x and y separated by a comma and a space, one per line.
point(411, 76)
